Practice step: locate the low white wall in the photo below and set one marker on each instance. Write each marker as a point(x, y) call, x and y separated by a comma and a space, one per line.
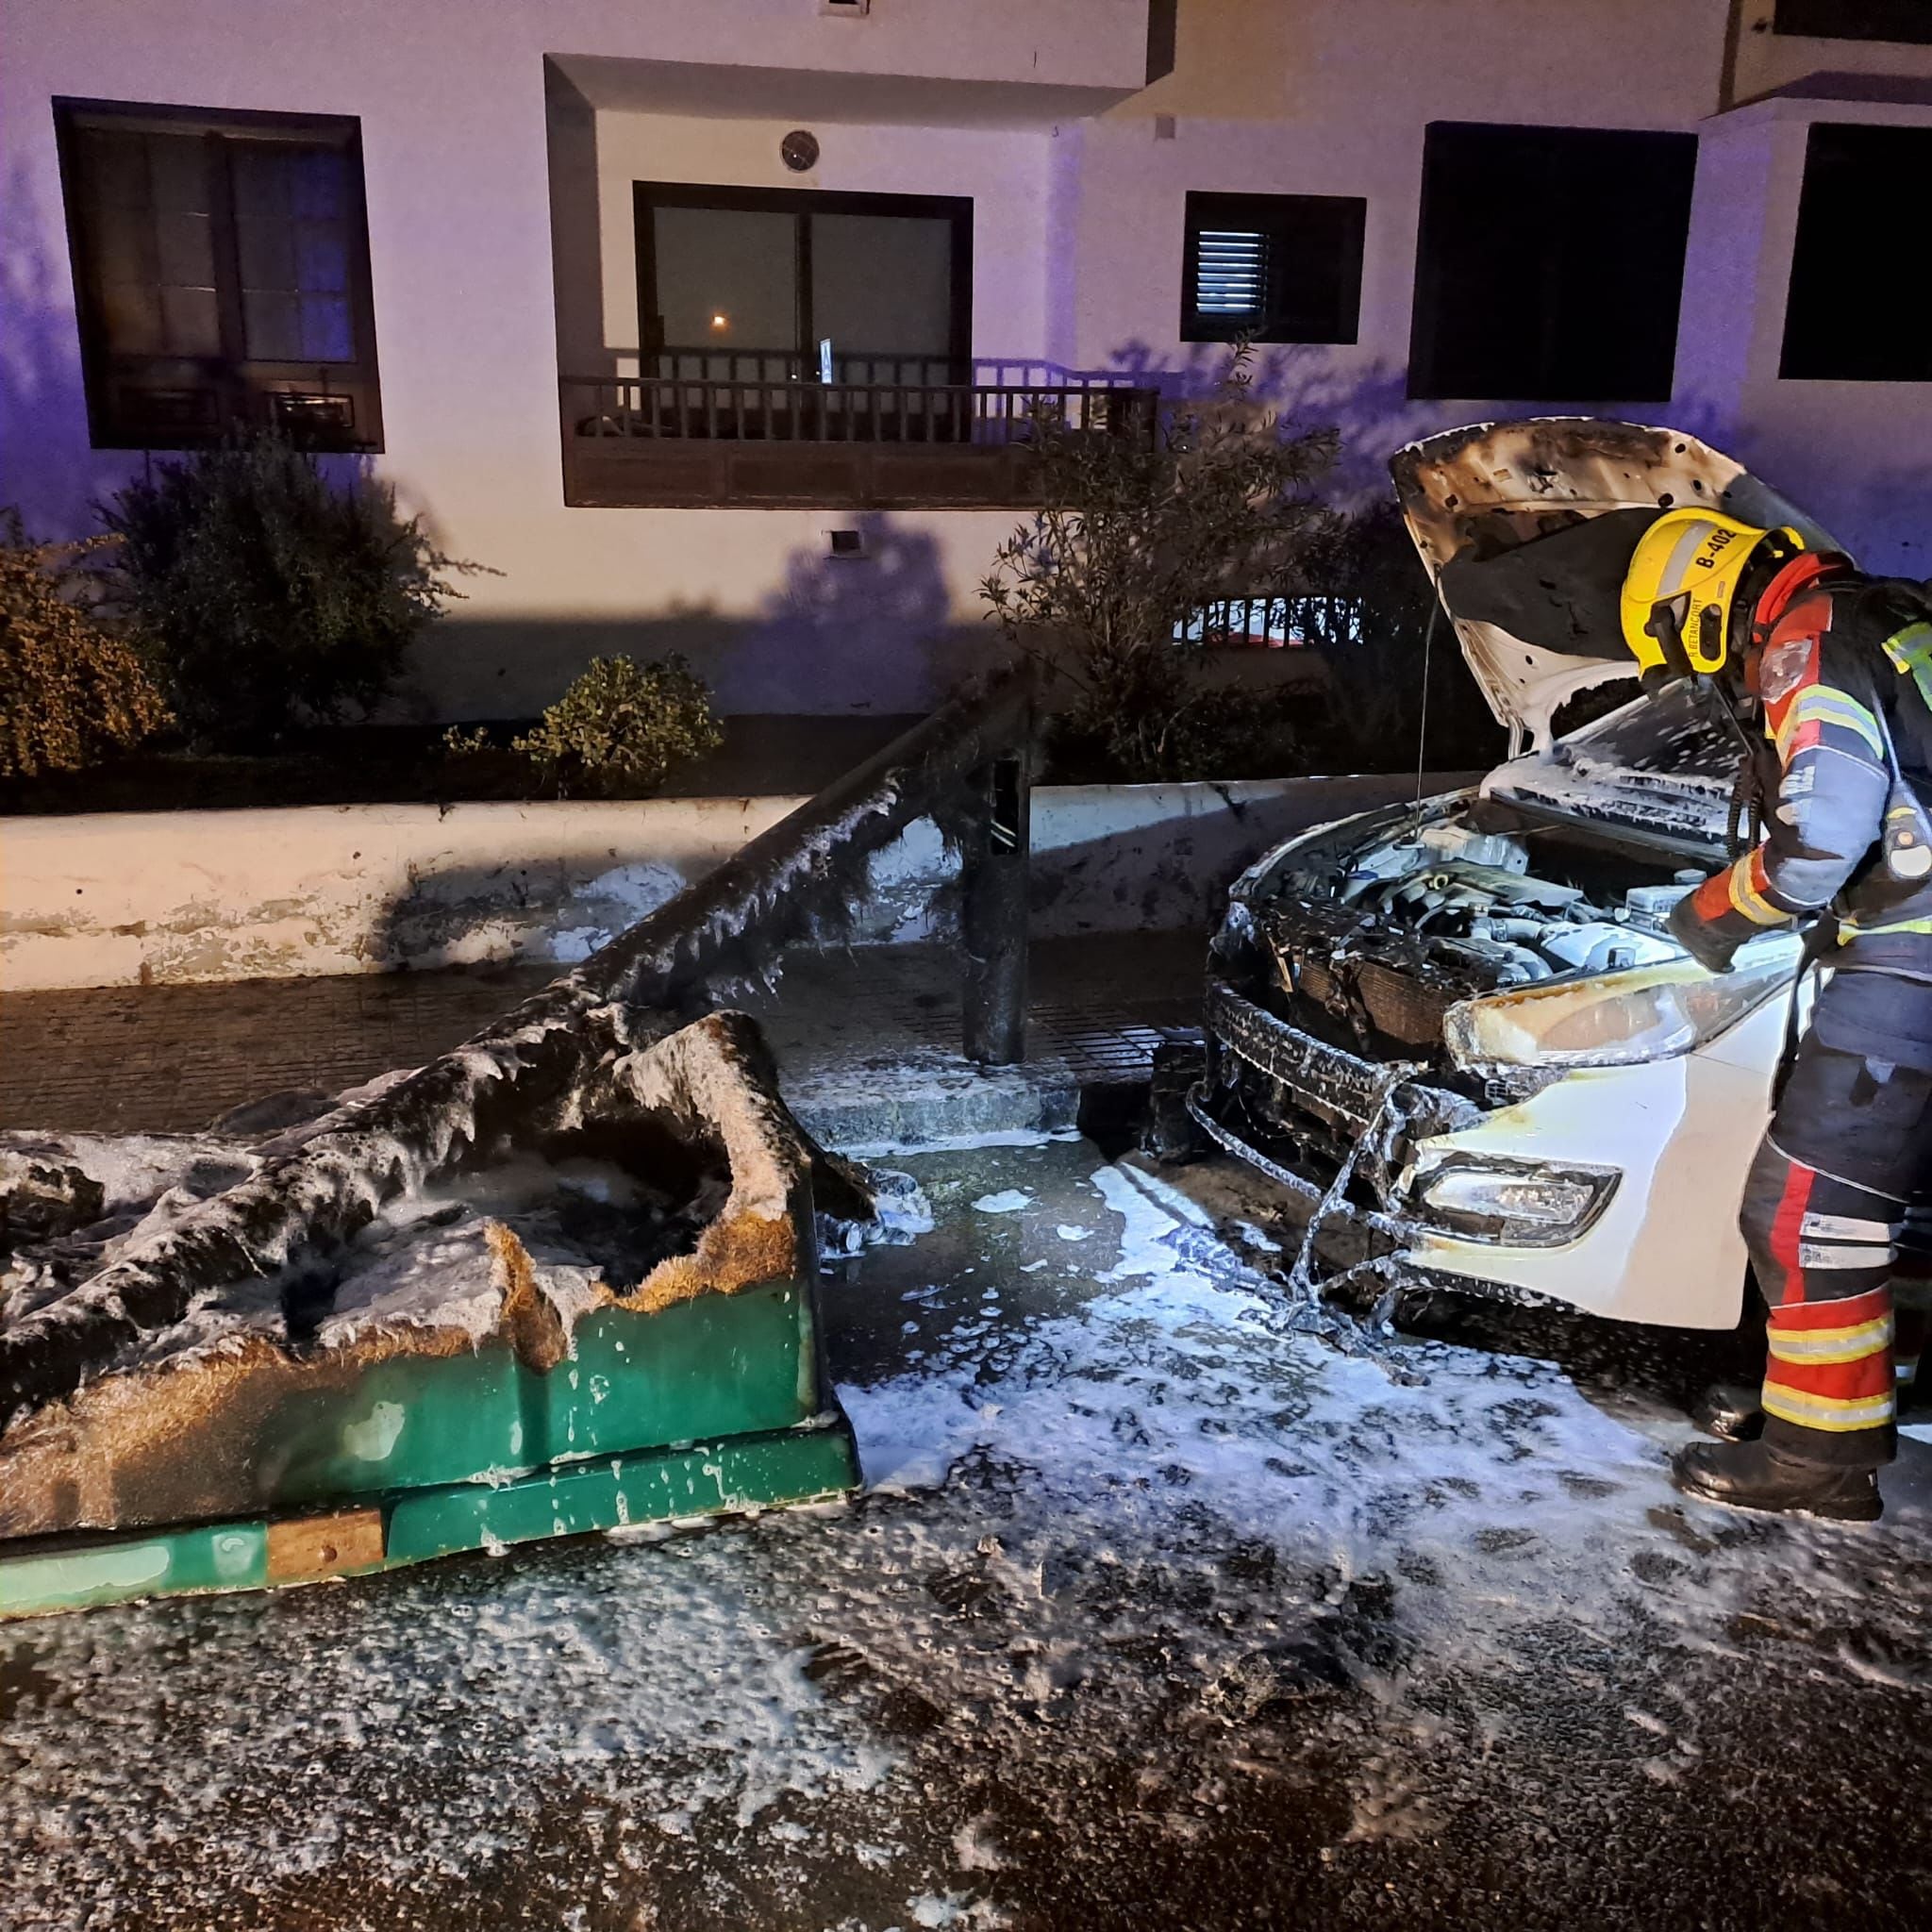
point(119, 899)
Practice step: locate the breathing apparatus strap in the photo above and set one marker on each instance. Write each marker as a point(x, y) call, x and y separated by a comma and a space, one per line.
point(1821, 940)
point(1745, 825)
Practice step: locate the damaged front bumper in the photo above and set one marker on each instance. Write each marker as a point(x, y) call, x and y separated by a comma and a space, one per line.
point(1383, 1150)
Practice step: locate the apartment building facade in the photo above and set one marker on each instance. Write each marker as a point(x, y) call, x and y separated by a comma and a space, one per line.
point(719, 327)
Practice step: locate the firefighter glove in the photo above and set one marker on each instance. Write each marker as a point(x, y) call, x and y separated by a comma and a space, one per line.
point(1711, 949)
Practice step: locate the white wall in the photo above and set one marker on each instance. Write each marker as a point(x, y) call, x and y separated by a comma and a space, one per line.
point(451, 98)
point(121, 899)
point(1857, 455)
point(750, 595)
point(1079, 259)
point(1332, 97)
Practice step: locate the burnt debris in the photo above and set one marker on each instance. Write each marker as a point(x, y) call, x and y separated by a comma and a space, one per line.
point(566, 1058)
point(688, 1178)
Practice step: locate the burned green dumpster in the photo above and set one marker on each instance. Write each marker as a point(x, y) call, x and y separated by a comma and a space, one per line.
point(476, 1339)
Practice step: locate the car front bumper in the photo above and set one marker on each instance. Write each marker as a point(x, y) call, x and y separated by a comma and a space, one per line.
point(1632, 1172)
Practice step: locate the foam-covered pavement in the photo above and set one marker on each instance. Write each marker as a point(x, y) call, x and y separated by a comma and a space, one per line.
point(1165, 1604)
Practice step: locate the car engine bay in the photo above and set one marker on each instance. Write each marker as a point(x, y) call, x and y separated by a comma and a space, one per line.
point(1369, 942)
point(1469, 897)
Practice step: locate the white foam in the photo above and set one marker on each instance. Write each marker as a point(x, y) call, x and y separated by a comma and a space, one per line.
point(1008, 1201)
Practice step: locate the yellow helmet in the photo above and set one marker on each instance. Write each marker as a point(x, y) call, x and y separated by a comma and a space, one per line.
point(1682, 581)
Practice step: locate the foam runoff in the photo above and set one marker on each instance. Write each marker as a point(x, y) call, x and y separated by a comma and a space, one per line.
point(953, 1143)
point(1008, 1201)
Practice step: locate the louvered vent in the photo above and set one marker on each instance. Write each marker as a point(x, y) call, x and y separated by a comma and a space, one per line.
point(1231, 272)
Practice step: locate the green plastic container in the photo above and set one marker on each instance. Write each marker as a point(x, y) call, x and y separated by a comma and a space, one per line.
point(734, 1473)
point(712, 1404)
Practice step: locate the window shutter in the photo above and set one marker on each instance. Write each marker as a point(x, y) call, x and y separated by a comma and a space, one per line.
point(1272, 268)
point(1231, 273)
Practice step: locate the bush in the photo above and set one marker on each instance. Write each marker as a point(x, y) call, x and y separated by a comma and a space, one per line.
point(70, 690)
point(1135, 536)
point(1362, 596)
point(624, 726)
point(269, 597)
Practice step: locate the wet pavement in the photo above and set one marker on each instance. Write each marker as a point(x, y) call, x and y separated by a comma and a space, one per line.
point(127, 1059)
point(1159, 1610)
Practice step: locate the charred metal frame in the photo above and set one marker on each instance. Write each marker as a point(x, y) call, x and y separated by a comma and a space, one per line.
point(1374, 1111)
point(548, 1063)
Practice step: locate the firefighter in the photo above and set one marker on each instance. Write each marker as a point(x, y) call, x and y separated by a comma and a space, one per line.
point(1836, 666)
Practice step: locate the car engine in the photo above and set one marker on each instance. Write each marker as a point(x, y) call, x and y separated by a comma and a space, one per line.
point(1371, 943)
point(1468, 898)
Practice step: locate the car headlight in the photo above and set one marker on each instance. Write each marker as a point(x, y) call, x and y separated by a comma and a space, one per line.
point(1521, 1204)
point(1613, 1019)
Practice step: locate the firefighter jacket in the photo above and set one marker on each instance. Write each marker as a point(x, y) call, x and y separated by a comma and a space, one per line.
point(1846, 676)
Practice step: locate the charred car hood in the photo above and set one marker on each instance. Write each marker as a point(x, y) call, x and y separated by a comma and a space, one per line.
point(1472, 496)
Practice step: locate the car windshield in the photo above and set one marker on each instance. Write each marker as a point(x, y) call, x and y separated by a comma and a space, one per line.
point(1675, 734)
point(1663, 767)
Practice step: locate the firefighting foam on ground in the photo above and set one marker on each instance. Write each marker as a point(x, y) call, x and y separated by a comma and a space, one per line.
point(1147, 1581)
point(1292, 1464)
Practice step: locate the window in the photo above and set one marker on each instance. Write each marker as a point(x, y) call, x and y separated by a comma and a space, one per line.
point(1861, 260)
point(221, 265)
point(1275, 268)
point(1164, 19)
point(1253, 624)
point(749, 283)
point(1549, 263)
point(1857, 20)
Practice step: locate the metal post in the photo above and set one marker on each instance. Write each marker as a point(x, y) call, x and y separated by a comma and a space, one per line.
point(993, 869)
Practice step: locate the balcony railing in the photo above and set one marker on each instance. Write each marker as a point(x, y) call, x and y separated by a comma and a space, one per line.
point(707, 362)
point(768, 440)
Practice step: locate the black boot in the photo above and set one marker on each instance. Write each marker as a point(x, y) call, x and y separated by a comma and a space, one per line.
point(1758, 1475)
point(1731, 1411)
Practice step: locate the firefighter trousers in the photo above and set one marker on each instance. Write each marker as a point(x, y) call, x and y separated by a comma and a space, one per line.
point(1848, 1151)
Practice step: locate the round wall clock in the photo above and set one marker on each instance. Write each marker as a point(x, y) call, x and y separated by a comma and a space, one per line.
point(799, 150)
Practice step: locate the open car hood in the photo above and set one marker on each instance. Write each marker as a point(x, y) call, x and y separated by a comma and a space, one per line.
point(1469, 496)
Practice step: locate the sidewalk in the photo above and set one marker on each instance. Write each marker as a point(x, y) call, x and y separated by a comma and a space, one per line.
point(858, 1035)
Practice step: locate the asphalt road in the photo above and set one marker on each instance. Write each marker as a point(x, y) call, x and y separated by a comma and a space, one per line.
point(1160, 1611)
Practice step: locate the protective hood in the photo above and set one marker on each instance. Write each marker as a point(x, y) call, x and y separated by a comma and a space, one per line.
point(1526, 529)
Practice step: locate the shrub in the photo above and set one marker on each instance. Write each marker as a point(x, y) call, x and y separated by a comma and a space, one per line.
point(624, 726)
point(1362, 596)
point(70, 690)
point(1136, 535)
point(270, 596)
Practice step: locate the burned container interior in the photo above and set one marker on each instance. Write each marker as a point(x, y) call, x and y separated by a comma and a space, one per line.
point(612, 1323)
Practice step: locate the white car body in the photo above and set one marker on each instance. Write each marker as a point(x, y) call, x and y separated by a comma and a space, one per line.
point(1656, 1142)
point(1681, 1132)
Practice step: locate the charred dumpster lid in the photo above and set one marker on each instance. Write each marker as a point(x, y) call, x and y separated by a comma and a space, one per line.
point(1525, 528)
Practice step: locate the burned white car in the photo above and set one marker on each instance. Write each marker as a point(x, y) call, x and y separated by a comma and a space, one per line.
point(1465, 1023)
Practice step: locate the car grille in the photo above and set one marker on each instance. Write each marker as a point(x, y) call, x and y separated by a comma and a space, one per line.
point(1312, 1101)
point(1311, 939)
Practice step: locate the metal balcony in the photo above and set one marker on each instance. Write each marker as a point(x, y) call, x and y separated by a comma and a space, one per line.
point(746, 429)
